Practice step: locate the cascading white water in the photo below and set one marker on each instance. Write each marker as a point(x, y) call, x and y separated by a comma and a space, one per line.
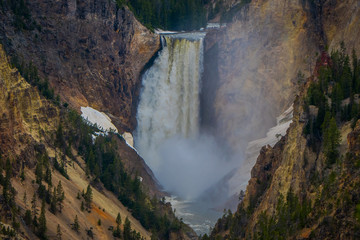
point(169, 103)
point(185, 161)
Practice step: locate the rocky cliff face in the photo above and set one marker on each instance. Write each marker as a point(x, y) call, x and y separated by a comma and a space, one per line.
point(259, 56)
point(27, 126)
point(252, 66)
point(25, 116)
point(290, 182)
point(92, 52)
point(293, 189)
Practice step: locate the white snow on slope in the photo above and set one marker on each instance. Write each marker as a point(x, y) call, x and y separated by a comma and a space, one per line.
point(104, 123)
point(99, 118)
point(241, 177)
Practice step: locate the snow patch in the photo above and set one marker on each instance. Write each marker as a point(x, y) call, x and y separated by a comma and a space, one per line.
point(128, 138)
point(242, 175)
point(99, 118)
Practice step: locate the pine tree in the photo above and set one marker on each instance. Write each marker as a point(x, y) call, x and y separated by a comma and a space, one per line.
point(58, 232)
point(76, 225)
point(332, 139)
point(27, 217)
point(82, 208)
point(48, 177)
point(42, 222)
point(88, 197)
point(127, 229)
point(33, 205)
point(117, 232)
point(60, 196)
point(39, 171)
point(25, 199)
point(118, 219)
point(22, 174)
point(7, 183)
point(53, 202)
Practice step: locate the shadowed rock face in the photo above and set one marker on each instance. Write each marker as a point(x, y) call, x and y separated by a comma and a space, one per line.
point(91, 51)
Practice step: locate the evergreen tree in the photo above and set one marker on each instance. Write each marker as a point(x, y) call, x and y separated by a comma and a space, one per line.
point(118, 219)
point(25, 199)
point(76, 225)
point(27, 217)
point(42, 222)
point(39, 171)
point(53, 202)
point(88, 197)
point(82, 208)
point(331, 141)
point(7, 183)
point(117, 232)
point(127, 229)
point(22, 174)
point(48, 177)
point(58, 232)
point(33, 205)
point(60, 196)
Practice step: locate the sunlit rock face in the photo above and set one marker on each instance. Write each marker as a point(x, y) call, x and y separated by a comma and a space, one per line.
point(25, 116)
point(260, 55)
point(255, 61)
point(251, 68)
point(92, 52)
point(341, 21)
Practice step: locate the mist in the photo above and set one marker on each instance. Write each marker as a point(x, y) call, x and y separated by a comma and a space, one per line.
point(190, 166)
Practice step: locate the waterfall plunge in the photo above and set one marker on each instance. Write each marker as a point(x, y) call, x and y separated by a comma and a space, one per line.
point(168, 137)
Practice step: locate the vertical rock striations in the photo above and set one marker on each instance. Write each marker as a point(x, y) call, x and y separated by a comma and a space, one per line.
point(92, 52)
point(25, 116)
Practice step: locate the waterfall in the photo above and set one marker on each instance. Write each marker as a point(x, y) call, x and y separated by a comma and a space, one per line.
point(169, 102)
point(184, 160)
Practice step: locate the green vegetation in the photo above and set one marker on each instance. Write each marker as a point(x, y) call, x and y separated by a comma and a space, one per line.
point(333, 94)
point(290, 216)
point(22, 16)
point(30, 73)
point(331, 100)
point(75, 225)
point(169, 14)
point(104, 164)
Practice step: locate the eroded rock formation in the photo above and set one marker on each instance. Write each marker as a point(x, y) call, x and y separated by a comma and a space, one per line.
point(92, 52)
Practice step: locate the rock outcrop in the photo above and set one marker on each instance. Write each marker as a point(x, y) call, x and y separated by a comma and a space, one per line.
point(25, 116)
point(92, 52)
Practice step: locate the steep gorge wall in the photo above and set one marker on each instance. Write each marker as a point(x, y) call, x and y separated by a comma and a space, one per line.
point(259, 56)
point(292, 165)
point(25, 116)
point(91, 51)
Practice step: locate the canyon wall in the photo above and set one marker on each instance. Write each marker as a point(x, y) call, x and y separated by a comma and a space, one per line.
point(293, 171)
point(91, 51)
point(259, 56)
point(256, 65)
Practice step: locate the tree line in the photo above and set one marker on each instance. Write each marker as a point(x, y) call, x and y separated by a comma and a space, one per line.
point(169, 14)
point(335, 94)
